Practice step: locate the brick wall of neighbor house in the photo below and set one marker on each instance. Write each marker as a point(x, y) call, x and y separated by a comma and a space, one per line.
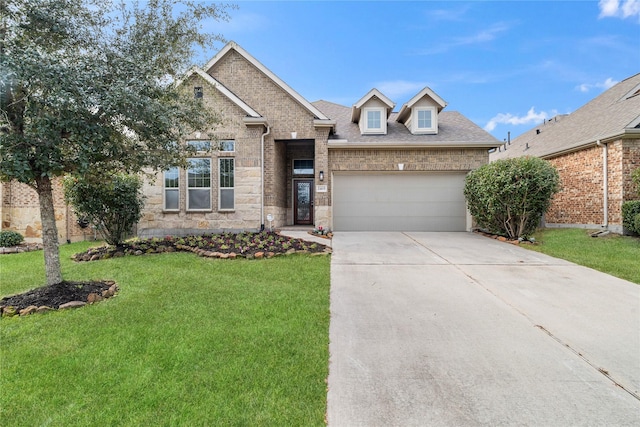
point(21, 212)
point(630, 162)
point(580, 199)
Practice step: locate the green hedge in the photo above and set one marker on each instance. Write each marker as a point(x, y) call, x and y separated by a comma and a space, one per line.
point(631, 216)
point(509, 196)
point(10, 238)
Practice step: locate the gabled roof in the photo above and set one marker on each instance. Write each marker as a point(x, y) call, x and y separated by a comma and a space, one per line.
point(372, 94)
point(405, 111)
point(613, 114)
point(295, 95)
point(455, 131)
point(222, 89)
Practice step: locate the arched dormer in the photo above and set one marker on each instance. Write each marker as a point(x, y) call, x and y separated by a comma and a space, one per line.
point(420, 114)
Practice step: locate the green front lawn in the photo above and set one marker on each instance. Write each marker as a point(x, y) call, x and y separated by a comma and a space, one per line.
point(613, 254)
point(187, 341)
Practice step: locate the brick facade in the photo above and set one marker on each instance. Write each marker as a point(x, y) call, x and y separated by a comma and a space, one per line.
point(20, 211)
point(580, 202)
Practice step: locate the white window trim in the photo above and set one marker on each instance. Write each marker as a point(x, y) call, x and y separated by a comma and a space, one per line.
point(383, 121)
point(434, 121)
point(220, 187)
point(164, 192)
point(199, 188)
point(227, 151)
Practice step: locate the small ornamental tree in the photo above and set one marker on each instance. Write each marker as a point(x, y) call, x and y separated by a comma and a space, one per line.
point(509, 196)
point(112, 202)
point(91, 85)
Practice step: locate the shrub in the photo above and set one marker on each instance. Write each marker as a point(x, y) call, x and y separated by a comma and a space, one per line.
point(111, 201)
point(10, 238)
point(635, 178)
point(631, 216)
point(509, 196)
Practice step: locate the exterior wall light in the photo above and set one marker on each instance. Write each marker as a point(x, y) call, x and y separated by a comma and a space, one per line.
point(400, 166)
point(321, 175)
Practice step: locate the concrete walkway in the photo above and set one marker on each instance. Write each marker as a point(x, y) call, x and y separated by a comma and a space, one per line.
point(455, 329)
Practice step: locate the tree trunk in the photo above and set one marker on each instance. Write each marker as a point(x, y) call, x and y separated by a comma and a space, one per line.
point(52, 267)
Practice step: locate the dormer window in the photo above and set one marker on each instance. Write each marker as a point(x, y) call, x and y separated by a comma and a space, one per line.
point(375, 120)
point(420, 114)
point(425, 120)
point(372, 112)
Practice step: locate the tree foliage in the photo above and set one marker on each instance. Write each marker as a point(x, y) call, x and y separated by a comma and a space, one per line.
point(509, 196)
point(91, 85)
point(112, 202)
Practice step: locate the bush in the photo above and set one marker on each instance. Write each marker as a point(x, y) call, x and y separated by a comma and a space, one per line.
point(10, 238)
point(509, 196)
point(111, 201)
point(631, 216)
point(635, 178)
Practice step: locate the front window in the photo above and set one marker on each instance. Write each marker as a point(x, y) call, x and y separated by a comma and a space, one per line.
point(226, 199)
point(200, 146)
point(172, 189)
point(228, 145)
point(374, 119)
point(199, 185)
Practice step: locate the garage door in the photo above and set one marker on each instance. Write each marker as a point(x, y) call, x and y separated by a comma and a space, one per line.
point(399, 202)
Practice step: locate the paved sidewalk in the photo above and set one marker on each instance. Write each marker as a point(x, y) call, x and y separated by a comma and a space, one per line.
point(455, 329)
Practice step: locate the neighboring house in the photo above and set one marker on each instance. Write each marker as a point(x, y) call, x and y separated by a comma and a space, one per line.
point(20, 211)
point(279, 160)
point(595, 149)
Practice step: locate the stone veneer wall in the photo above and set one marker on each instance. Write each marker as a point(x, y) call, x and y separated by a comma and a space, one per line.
point(20, 211)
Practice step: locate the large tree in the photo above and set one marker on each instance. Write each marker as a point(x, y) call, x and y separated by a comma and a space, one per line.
point(90, 85)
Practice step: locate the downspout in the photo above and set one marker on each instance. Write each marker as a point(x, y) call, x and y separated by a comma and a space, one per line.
point(605, 183)
point(262, 177)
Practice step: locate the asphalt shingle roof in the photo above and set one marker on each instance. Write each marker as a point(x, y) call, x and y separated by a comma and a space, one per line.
point(607, 115)
point(453, 128)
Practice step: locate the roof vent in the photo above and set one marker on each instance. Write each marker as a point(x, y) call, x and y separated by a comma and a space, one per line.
point(537, 131)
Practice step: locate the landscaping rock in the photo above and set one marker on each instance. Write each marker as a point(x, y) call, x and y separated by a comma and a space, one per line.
point(94, 297)
point(72, 304)
point(29, 310)
point(44, 309)
point(9, 311)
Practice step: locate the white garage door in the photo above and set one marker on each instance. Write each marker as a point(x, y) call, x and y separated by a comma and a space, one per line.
point(399, 202)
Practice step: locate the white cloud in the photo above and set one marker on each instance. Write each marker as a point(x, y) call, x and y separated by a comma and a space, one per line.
point(399, 88)
point(586, 87)
point(617, 9)
point(508, 118)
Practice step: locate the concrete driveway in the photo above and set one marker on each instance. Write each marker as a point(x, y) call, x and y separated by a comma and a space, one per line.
point(456, 329)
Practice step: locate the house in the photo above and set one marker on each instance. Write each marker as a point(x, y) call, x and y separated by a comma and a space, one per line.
point(280, 160)
point(594, 149)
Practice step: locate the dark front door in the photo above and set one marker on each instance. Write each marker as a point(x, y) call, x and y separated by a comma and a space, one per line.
point(303, 201)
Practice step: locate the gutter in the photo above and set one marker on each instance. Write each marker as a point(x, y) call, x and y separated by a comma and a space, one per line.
point(605, 183)
point(262, 176)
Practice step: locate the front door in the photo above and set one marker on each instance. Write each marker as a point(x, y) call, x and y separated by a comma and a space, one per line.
point(303, 201)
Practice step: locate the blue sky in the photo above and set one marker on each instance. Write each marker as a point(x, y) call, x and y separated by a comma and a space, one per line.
point(506, 65)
